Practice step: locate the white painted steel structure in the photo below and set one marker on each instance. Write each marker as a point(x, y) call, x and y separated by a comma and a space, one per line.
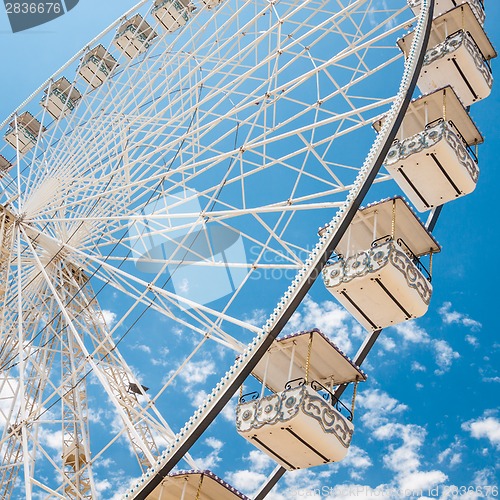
point(238, 123)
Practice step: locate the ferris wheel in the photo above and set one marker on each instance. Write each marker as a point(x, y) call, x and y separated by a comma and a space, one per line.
point(161, 197)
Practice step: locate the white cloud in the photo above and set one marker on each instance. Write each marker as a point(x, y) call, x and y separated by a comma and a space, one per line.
point(51, 439)
point(259, 461)
point(249, 481)
point(380, 407)
point(214, 443)
point(9, 399)
point(175, 329)
point(444, 355)
point(298, 478)
point(229, 411)
point(256, 318)
point(417, 367)
point(412, 333)
point(450, 317)
point(121, 489)
point(246, 481)
point(197, 372)
point(361, 492)
point(482, 478)
point(198, 398)
point(357, 457)
point(109, 317)
point(97, 415)
point(387, 343)
point(102, 485)
point(487, 427)
point(452, 455)
point(183, 286)
point(485, 476)
point(328, 316)
point(405, 459)
point(212, 459)
point(358, 461)
point(472, 340)
point(105, 463)
point(422, 481)
point(162, 359)
point(401, 446)
point(142, 347)
point(402, 459)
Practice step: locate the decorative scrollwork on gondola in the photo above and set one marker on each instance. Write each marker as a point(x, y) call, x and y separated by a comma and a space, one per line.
point(431, 136)
point(330, 420)
point(381, 241)
point(401, 150)
point(250, 396)
point(327, 395)
point(451, 44)
point(414, 278)
point(278, 409)
point(463, 155)
point(360, 264)
point(376, 258)
point(322, 391)
point(294, 383)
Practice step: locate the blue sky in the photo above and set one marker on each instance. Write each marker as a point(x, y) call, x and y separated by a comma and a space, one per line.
point(428, 416)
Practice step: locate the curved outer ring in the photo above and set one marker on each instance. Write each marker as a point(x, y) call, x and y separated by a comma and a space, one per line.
point(305, 278)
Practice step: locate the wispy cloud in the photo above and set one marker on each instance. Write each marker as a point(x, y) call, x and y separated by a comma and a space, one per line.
point(472, 340)
point(403, 456)
point(331, 318)
point(487, 427)
point(257, 317)
point(259, 461)
point(444, 356)
point(142, 347)
point(422, 480)
point(109, 317)
point(103, 485)
point(418, 367)
point(246, 481)
point(402, 442)
point(51, 439)
point(198, 398)
point(197, 372)
point(387, 343)
point(411, 333)
point(212, 459)
point(379, 407)
point(452, 455)
point(358, 461)
point(229, 411)
point(450, 317)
